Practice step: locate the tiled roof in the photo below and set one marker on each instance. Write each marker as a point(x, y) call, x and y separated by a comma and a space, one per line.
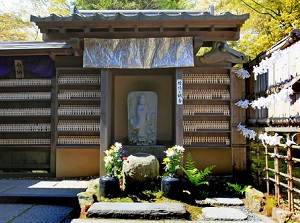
point(33, 45)
point(35, 48)
point(117, 15)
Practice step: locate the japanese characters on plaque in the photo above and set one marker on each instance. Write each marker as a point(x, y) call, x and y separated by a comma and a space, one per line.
point(179, 92)
point(19, 69)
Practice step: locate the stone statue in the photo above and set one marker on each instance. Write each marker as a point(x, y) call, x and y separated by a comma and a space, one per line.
point(142, 116)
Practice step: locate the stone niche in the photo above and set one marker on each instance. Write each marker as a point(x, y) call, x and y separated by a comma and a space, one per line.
point(158, 81)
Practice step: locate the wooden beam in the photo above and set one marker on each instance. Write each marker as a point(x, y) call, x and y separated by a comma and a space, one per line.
point(136, 29)
point(68, 61)
point(52, 55)
point(75, 42)
point(62, 30)
point(198, 42)
point(219, 36)
point(87, 30)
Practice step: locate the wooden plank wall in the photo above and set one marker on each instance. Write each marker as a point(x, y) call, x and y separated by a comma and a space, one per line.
point(238, 115)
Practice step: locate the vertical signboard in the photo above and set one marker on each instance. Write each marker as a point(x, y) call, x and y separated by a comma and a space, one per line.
point(179, 92)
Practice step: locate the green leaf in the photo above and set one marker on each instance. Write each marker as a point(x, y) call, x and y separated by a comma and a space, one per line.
point(195, 176)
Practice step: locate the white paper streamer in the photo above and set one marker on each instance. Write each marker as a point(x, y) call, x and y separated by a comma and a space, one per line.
point(270, 140)
point(248, 133)
point(262, 102)
point(290, 142)
point(242, 73)
point(243, 104)
point(267, 63)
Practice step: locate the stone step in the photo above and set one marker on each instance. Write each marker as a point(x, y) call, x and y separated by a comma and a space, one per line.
point(128, 210)
point(92, 220)
point(223, 214)
point(221, 201)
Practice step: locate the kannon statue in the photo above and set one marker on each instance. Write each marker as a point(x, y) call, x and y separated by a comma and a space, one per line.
point(142, 114)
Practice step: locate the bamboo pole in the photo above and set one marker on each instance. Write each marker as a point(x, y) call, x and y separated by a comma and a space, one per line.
point(290, 177)
point(277, 176)
point(258, 163)
point(267, 170)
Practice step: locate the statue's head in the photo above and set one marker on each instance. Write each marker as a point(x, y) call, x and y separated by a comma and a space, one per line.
point(142, 99)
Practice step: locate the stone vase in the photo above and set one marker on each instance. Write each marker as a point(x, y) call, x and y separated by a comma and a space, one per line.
point(171, 187)
point(109, 187)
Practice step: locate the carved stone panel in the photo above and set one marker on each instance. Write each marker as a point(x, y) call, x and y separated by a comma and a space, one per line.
point(142, 118)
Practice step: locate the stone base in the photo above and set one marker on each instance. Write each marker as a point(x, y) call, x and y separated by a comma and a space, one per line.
point(223, 214)
point(140, 172)
point(157, 151)
point(225, 201)
point(136, 210)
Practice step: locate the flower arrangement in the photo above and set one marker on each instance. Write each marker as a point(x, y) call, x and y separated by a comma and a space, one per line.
point(114, 160)
point(172, 160)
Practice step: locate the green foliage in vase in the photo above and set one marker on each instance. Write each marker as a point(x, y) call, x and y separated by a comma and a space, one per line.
point(195, 176)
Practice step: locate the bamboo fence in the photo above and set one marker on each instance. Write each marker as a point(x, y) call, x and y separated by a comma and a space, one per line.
point(273, 176)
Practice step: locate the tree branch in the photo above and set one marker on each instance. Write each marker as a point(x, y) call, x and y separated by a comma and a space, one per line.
point(263, 13)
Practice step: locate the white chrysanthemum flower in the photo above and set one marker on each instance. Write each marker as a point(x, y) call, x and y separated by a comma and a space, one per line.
point(118, 145)
point(169, 153)
point(179, 149)
point(108, 159)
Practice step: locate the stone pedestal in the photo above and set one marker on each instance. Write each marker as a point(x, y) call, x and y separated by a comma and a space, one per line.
point(140, 172)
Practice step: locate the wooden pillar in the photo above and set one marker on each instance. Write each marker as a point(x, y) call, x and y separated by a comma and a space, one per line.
point(290, 177)
point(267, 170)
point(53, 125)
point(258, 163)
point(277, 179)
point(106, 115)
point(178, 107)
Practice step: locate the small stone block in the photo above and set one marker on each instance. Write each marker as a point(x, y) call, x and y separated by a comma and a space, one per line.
point(136, 210)
point(279, 214)
point(226, 201)
point(225, 214)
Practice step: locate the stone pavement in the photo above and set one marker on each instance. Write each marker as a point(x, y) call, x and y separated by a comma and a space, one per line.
point(39, 201)
point(229, 210)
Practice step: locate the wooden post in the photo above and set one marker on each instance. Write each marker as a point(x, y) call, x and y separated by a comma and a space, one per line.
point(277, 178)
point(258, 163)
point(106, 116)
point(53, 125)
point(267, 170)
point(290, 178)
point(179, 108)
